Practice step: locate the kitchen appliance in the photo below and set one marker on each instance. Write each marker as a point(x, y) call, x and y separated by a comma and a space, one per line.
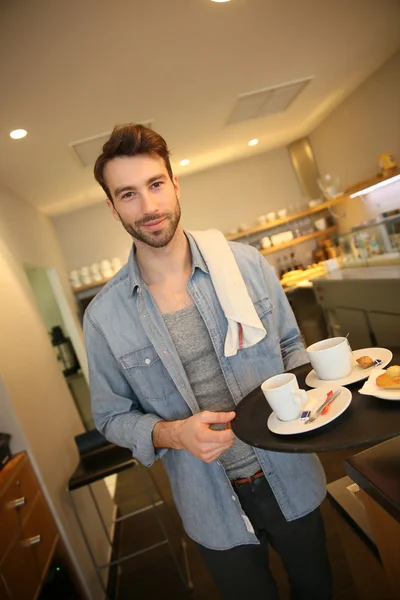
point(64, 351)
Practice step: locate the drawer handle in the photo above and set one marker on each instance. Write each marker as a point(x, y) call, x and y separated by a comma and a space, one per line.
point(36, 539)
point(17, 502)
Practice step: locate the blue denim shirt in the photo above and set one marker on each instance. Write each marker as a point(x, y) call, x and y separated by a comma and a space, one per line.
point(137, 379)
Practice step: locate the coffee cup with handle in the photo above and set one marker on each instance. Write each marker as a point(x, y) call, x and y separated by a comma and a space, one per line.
point(331, 358)
point(284, 396)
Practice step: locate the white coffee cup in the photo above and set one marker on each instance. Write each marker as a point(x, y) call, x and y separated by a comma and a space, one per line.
point(266, 242)
point(331, 358)
point(284, 396)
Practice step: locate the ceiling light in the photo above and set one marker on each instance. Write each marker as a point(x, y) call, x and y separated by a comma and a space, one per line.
point(376, 186)
point(219, 0)
point(17, 134)
point(184, 162)
point(253, 142)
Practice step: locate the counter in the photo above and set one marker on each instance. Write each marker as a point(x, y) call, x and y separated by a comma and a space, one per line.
point(362, 301)
point(362, 273)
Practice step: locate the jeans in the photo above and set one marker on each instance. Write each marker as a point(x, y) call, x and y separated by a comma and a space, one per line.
point(243, 571)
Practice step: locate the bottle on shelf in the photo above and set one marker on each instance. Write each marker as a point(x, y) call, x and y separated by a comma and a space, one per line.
point(286, 266)
point(279, 268)
point(294, 263)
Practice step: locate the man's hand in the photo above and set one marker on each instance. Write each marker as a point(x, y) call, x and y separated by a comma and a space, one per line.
point(195, 436)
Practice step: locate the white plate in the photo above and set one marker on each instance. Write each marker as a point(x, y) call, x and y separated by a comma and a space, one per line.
point(314, 399)
point(357, 374)
point(371, 389)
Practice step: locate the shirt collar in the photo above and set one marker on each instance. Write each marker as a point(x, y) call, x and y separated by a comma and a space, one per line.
point(135, 279)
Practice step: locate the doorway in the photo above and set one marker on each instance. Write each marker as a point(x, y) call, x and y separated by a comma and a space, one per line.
point(60, 325)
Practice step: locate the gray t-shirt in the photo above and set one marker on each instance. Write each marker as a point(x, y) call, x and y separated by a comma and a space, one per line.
point(194, 346)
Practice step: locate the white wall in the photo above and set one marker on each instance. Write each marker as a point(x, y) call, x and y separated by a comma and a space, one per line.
point(44, 297)
point(36, 405)
point(240, 191)
point(223, 197)
point(349, 141)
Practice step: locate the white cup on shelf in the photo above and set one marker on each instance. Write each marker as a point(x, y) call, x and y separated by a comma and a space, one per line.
point(265, 242)
point(116, 264)
point(75, 279)
point(95, 268)
point(320, 224)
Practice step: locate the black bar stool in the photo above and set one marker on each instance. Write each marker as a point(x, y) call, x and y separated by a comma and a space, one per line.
point(100, 459)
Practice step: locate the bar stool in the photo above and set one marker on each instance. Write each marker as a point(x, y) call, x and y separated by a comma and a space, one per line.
point(99, 459)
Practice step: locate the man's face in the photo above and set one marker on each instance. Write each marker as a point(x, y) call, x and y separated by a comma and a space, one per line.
point(146, 201)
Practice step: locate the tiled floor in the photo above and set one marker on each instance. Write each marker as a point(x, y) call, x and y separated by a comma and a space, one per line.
point(152, 575)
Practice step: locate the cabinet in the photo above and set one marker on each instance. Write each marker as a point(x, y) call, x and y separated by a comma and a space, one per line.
point(29, 535)
point(364, 303)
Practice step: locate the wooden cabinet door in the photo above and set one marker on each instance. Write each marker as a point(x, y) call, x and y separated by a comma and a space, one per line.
point(3, 590)
point(39, 532)
point(19, 573)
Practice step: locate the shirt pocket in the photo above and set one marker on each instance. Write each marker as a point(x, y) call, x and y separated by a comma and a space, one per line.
point(269, 345)
point(263, 307)
point(148, 376)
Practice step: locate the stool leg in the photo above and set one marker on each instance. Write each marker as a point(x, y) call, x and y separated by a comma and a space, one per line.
point(85, 539)
point(187, 583)
point(113, 556)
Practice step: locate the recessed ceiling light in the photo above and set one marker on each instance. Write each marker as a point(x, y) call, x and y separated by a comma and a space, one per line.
point(219, 0)
point(17, 134)
point(184, 162)
point(253, 142)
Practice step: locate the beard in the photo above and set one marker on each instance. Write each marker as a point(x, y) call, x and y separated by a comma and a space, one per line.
point(158, 238)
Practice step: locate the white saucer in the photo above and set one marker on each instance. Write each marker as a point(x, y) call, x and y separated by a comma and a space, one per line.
point(357, 374)
point(371, 389)
point(314, 399)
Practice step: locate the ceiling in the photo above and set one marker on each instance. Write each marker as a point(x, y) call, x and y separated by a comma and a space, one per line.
point(73, 69)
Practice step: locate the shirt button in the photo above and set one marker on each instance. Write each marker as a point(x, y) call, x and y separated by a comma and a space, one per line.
point(234, 498)
point(147, 361)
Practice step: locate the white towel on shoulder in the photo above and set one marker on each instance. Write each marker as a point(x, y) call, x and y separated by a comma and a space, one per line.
point(244, 325)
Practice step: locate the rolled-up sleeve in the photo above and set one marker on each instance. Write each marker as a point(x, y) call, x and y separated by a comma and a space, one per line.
point(117, 413)
point(292, 349)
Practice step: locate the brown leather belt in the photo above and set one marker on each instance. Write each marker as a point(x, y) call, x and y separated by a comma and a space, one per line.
point(243, 480)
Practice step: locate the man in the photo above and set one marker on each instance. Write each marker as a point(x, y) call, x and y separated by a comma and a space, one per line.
point(162, 386)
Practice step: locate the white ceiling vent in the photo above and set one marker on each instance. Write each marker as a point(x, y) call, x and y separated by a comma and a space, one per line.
point(90, 148)
point(270, 100)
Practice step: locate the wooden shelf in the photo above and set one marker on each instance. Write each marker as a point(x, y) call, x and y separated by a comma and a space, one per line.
point(362, 185)
point(288, 219)
point(299, 240)
point(89, 286)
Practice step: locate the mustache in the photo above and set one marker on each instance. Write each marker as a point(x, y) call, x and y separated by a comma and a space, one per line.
point(151, 218)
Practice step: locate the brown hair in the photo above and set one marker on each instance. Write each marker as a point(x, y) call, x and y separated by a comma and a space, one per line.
point(130, 140)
